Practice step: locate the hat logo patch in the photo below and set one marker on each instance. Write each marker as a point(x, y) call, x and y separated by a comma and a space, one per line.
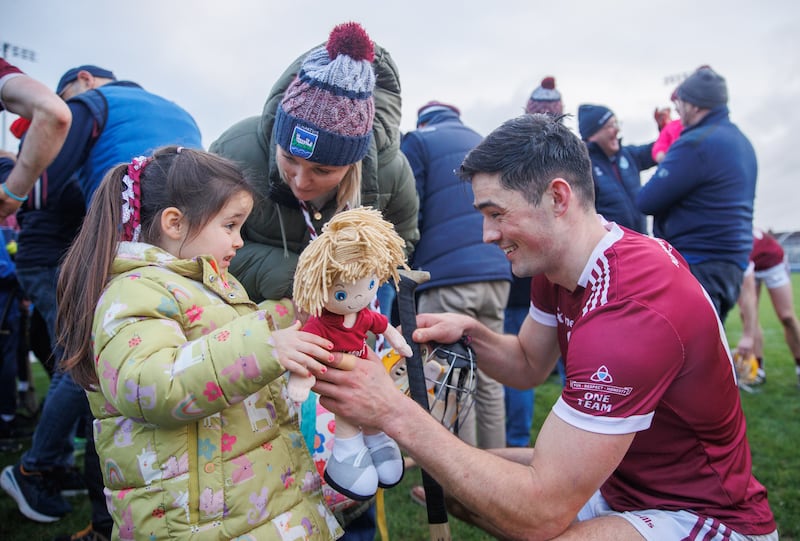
point(303, 142)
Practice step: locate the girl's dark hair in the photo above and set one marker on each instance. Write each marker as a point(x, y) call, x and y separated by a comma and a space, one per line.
point(528, 152)
point(197, 183)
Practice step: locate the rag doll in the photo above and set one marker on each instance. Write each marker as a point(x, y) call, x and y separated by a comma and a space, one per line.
point(336, 280)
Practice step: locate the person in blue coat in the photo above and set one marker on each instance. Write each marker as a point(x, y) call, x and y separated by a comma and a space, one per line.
point(702, 194)
point(468, 276)
point(615, 168)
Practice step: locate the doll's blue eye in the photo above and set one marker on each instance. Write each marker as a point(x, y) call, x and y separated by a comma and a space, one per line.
point(340, 295)
point(372, 284)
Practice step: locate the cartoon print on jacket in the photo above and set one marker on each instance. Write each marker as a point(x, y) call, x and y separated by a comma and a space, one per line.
point(292, 533)
point(148, 466)
point(211, 503)
point(256, 414)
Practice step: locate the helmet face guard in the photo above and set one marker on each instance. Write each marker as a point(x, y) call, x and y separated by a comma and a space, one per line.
point(453, 390)
point(450, 377)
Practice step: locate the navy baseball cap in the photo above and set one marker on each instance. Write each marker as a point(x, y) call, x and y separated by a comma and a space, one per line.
point(72, 74)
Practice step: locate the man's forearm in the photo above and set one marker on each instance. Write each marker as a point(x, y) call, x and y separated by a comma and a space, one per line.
point(50, 122)
point(480, 480)
point(502, 357)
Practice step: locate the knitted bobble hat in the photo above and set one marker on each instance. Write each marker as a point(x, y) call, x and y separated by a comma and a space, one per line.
point(327, 112)
point(545, 99)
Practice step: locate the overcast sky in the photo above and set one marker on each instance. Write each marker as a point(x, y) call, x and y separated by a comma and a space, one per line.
point(219, 58)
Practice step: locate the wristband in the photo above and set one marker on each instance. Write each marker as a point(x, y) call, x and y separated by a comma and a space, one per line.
point(13, 196)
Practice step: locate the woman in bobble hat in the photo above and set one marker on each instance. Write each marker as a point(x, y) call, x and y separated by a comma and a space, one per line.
point(327, 140)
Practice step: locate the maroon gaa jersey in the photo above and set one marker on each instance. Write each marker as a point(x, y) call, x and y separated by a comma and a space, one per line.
point(645, 352)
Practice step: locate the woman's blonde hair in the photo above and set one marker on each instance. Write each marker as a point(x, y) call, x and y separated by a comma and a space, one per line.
point(356, 243)
point(349, 193)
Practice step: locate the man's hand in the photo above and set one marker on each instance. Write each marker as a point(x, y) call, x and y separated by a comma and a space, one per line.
point(343, 361)
point(745, 346)
point(441, 328)
point(366, 394)
point(8, 206)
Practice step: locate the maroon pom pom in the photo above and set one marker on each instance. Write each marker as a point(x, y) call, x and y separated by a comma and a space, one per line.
point(549, 83)
point(350, 39)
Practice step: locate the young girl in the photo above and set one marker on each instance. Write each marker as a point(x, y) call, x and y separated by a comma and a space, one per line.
point(337, 278)
point(193, 427)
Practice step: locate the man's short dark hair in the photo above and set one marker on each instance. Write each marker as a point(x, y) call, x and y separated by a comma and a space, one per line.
point(529, 151)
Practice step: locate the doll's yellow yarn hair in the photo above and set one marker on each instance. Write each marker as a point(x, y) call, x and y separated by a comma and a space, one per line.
point(354, 244)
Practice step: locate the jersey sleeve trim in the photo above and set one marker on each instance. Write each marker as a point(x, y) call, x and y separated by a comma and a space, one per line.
point(601, 425)
point(540, 316)
point(3, 80)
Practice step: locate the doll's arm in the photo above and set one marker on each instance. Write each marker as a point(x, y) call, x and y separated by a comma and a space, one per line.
point(299, 387)
point(397, 341)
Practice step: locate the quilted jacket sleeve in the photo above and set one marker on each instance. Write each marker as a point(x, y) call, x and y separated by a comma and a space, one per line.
point(170, 362)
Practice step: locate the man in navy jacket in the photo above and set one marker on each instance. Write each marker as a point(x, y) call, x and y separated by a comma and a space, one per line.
point(468, 276)
point(615, 168)
point(701, 196)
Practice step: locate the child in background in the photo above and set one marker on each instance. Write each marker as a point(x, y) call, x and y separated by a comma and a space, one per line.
point(669, 130)
point(184, 374)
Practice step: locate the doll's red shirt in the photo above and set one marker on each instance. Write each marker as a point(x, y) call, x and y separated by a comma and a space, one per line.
point(353, 339)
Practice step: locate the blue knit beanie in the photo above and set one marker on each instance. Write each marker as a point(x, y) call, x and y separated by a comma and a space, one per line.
point(591, 118)
point(705, 88)
point(327, 112)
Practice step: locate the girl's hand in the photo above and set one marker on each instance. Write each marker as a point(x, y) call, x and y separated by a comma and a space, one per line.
point(300, 352)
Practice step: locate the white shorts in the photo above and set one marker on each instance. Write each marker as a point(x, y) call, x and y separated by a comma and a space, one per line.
point(657, 525)
point(774, 277)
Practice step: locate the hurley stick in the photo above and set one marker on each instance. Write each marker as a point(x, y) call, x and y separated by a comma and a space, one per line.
point(407, 309)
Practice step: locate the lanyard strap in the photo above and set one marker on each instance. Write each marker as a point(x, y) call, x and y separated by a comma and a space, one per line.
point(307, 216)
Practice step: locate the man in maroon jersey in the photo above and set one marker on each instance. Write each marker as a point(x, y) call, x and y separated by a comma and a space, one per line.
point(647, 440)
point(768, 266)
